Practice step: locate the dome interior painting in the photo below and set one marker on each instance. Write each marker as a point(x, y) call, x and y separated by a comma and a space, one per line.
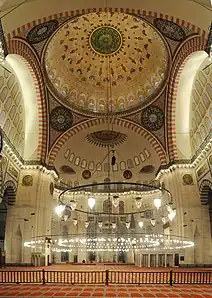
point(106, 62)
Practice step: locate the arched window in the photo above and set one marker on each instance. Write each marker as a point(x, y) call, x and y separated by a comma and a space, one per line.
point(107, 206)
point(121, 207)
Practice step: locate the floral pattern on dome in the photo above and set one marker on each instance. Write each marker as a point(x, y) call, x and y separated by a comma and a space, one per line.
point(152, 118)
point(42, 31)
point(105, 138)
point(61, 119)
point(95, 53)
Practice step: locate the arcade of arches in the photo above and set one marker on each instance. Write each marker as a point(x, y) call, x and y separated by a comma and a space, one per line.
point(80, 80)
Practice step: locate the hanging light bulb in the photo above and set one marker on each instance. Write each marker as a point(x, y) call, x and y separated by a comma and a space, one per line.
point(100, 224)
point(113, 225)
point(73, 204)
point(115, 201)
point(91, 202)
point(140, 223)
point(163, 219)
point(153, 222)
point(138, 202)
point(59, 209)
point(127, 225)
point(75, 221)
point(157, 203)
point(172, 214)
point(87, 224)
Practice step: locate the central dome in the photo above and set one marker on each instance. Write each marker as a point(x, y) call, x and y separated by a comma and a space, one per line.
point(106, 62)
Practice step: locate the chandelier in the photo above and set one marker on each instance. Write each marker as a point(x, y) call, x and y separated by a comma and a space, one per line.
point(116, 216)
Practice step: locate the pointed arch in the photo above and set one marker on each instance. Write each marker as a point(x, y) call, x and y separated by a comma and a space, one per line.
point(116, 121)
point(29, 60)
point(205, 188)
point(191, 45)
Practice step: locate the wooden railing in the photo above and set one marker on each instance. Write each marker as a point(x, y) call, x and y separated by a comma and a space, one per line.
point(106, 277)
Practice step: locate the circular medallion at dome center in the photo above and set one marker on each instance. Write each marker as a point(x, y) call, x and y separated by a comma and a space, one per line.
point(105, 40)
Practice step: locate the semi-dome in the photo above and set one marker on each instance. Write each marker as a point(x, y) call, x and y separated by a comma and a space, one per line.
point(102, 62)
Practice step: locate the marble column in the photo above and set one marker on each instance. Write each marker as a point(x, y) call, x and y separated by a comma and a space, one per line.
point(31, 215)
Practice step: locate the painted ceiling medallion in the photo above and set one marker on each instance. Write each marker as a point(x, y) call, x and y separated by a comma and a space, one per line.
point(61, 119)
point(105, 138)
point(42, 31)
point(127, 174)
point(188, 179)
point(96, 50)
point(170, 29)
point(152, 118)
point(86, 174)
point(105, 40)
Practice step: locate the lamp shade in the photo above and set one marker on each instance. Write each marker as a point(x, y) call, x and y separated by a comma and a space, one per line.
point(153, 222)
point(140, 223)
point(65, 217)
point(169, 208)
point(86, 224)
point(115, 201)
point(91, 202)
point(75, 221)
point(138, 202)
point(127, 225)
point(163, 219)
point(100, 224)
point(73, 204)
point(172, 214)
point(59, 209)
point(157, 203)
point(113, 225)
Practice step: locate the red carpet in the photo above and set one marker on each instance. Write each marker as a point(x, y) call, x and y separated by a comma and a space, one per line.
point(105, 291)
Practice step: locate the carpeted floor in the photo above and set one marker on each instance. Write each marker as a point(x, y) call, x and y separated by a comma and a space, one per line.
point(68, 290)
point(105, 291)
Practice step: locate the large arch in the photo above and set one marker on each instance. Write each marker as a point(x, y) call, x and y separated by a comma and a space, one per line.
point(89, 123)
point(33, 103)
point(183, 70)
point(183, 102)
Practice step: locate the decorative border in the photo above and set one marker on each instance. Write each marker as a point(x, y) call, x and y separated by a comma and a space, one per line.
point(72, 13)
point(28, 56)
point(194, 44)
point(204, 187)
point(124, 123)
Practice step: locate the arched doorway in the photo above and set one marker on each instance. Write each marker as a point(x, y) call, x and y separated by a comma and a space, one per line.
point(206, 198)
